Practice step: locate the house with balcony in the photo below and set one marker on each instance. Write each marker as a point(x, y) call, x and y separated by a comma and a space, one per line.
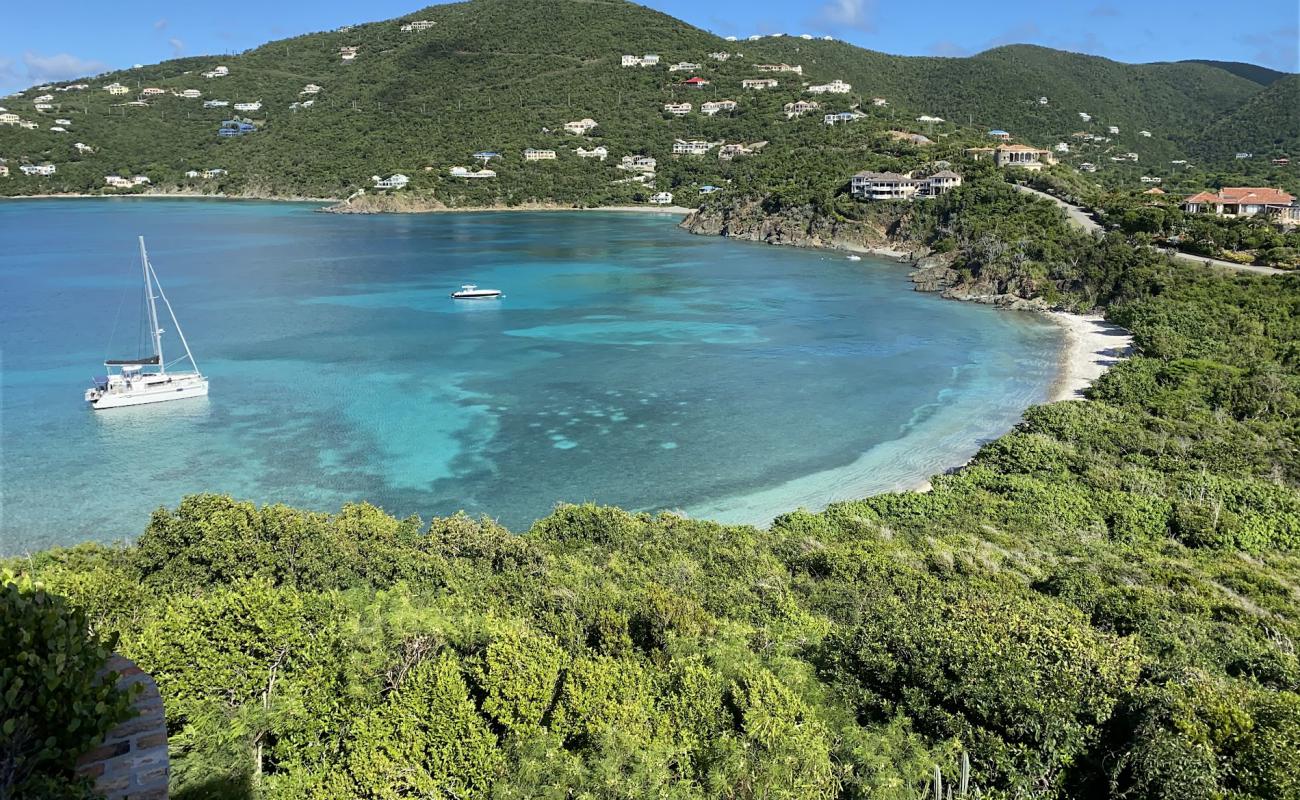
point(901, 186)
point(40, 170)
point(645, 164)
point(647, 60)
point(190, 94)
point(117, 182)
point(796, 69)
point(709, 109)
point(879, 102)
point(9, 118)
point(1240, 201)
point(800, 107)
point(416, 25)
point(694, 83)
point(758, 83)
point(254, 106)
point(662, 198)
point(691, 147)
point(4, 170)
point(684, 66)
point(599, 152)
point(310, 88)
point(1014, 155)
point(580, 127)
point(116, 88)
point(677, 109)
point(215, 103)
point(836, 86)
point(842, 117)
point(43, 107)
point(531, 154)
point(466, 172)
point(150, 91)
point(349, 52)
point(719, 56)
point(397, 181)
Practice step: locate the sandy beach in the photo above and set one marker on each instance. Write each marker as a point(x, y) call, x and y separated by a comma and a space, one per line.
point(1092, 345)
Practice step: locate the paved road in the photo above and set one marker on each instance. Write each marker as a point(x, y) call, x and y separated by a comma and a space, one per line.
point(1080, 218)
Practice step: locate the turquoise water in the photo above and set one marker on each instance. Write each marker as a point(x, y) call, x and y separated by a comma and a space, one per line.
point(630, 363)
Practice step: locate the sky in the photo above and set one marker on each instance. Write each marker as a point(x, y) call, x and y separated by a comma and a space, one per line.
point(49, 41)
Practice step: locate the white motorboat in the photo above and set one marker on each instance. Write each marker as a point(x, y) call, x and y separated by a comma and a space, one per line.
point(855, 258)
point(471, 291)
point(129, 381)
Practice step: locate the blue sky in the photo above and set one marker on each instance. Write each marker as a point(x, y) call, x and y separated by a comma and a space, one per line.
point(50, 41)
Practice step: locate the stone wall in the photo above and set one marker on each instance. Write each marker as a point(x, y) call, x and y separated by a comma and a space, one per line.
point(131, 762)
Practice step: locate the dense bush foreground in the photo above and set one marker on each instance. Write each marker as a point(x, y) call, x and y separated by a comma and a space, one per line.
point(1107, 602)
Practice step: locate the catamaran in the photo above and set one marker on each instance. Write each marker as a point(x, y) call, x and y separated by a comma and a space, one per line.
point(128, 383)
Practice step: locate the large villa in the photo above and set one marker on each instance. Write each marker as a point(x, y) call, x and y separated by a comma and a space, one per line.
point(1244, 201)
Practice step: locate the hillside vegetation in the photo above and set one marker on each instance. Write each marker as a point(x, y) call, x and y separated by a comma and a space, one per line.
point(503, 75)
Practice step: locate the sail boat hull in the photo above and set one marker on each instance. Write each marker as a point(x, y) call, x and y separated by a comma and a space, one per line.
point(150, 388)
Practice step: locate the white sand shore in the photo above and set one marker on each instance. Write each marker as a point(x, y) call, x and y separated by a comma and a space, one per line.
point(1092, 345)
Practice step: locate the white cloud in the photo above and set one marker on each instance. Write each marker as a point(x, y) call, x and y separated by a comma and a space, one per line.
point(859, 14)
point(59, 67)
point(160, 25)
point(178, 47)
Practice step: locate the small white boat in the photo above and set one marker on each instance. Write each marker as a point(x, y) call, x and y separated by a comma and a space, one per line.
point(130, 384)
point(470, 291)
point(855, 258)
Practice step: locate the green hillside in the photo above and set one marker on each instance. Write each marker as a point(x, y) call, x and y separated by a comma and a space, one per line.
point(1251, 72)
point(1266, 125)
point(504, 75)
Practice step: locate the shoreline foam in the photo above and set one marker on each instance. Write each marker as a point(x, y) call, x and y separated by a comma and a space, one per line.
point(1092, 346)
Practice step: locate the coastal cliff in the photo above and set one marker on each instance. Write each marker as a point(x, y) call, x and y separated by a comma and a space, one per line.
point(888, 235)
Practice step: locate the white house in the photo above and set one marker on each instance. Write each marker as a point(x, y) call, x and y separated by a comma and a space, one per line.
point(217, 72)
point(879, 102)
point(1145, 134)
point(926, 118)
point(44, 107)
point(45, 98)
point(649, 60)
point(150, 91)
point(796, 69)
point(62, 121)
point(417, 25)
point(465, 172)
point(580, 127)
point(1062, 147)
point(539, 155)
point(348, 53)
point(58, 129)
point(189, 173)
point(842, 117)
point(677, 109)
point(118, 182)
point(27, 124)
point(215, 103)
point(116, 88)
point(683, 66)
point(710, 189)
point(83, 148)
point(255, 106)
point(397, 181)
point(693, 147)
point(836, 86)
point(140, 180)
point(1042, 101)
point(1087, 167)
point(631, 61)
point(662, 198)
point(1112, 129)
point(1085, 116)
point(638, 164)
point(9, 118)
point(215, 172)
point(800, 107)
point(758, 83)
point(595, 152)
point(190, 94)
point(38, 169)
point(711, 108)
point(310, 88)
point(720, 56)
point(1150, 179)
point(896, 186)
point(4, 170)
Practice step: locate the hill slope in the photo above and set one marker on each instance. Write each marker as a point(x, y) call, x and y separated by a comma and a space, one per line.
point(504, 75)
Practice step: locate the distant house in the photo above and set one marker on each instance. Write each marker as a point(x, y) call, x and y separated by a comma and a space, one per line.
point(842, 117)
point(879, 102)
point(1239, 201)
point(647, 60)
point(638, 163)
point(758, 83)
point(254, 106)
point(800, 107)
point(914, 138)
point(466, 172)
point(209, 174)
point(531, 154)
point(83, 148)
point(694, 83)
point(140, 180)
point(684, 66)
point(9, 118)
point(1085, 116)
point(310, 88)
point(1042, 101)
point(1131, 156)
point(710, 189)
point(149, 91)
point(215, 103)
point(693, 147)
point(1113, 130)
point(43, 107)
point(190, 94)
point(929, 120)
point(217, 72)
point(417, 25)
point(349, 52)
point(1243, 156)
point(719, 56)
point(662, 198)
point(45, 98)
point(836, 86)
point(709, 109)
point(631, 61)
point(1062, 147)
point(729, 151)
point(116, 88)
point(796, 69)
point(1014, 155)
point(189, 173)
point(27, 124)
point(4, 170)
point(42, 170)
point(62, 121)
point(235, 127)
point(1155, 190)
point(580, 127)
point(1145, 134)
point(1000, 134)
point(595, 152)
point(896, 186)
point(1087, 167)
point(1281, 162)
point(1150, 179)
point(58, 129)
point(397, 181)
point(117, 182)
point(677, 109)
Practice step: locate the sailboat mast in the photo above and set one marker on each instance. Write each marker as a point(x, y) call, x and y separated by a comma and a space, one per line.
point(175, 322)
point(153, 307)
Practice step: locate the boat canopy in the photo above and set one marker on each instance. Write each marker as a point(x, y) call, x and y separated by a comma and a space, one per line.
point(131, 362)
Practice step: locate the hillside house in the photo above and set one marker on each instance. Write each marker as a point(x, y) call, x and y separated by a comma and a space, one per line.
point(1239, 201)
point(255, 106)
point(758, 83)
point(692, 147)
point(730, 151)
point(58, 129)
point(1015, 155)
point(1042, 101)
point(896, 186)
point(596, 152)
point(1112, 130)
point(800, 107)
point(719, 56)
point(1085, 116)
point(117, 182)
point(189, 173)
point(417, 25)
point(836, 86)
point(310, 88)
point(677, 109)
point(1243, 156)
point(45, 98)
point(9, 118)
point(83, 148)
point(1150, 179)
point(710, 189)
point(235, 127)
point(150, 91)
point(1145, 134)
point(531, 154)
point(1062, 147)
point(1155, 190)
point(190, 94)
point(879, 102)
point(580, 127)
point(62, 121)
point(41, 170)
point(709, 109)
point(1131, 156)
point(1087, 167)
point(647, 60)
point(914, 138)
point(73, 87)
point(44, 107)
point(28, 125)
point(796, 69)
point(397, 181)
point(116, 88)
point(662, 198)
point(684, 66)
point(216, 172)
point(929, 120)
point(215, 103)
point(842, 117)
point(217, 72)
point(694, 83)
point(349, 52)
point(1281, 162)
point(4, 170)
point(638, 163)
point(466, 172)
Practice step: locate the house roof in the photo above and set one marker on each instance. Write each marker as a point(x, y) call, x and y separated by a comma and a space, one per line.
point(882, 176)
point(1243, 194)
point(1020, 148)
point(696, 79)
point(947, 173)
point(1154, 190)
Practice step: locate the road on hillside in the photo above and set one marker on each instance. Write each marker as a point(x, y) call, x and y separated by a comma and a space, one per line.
point(1081, 219)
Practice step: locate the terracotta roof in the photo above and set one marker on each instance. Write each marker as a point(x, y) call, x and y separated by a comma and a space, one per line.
point(1203, 197)
point(1243, 194)
point(1154, 190)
